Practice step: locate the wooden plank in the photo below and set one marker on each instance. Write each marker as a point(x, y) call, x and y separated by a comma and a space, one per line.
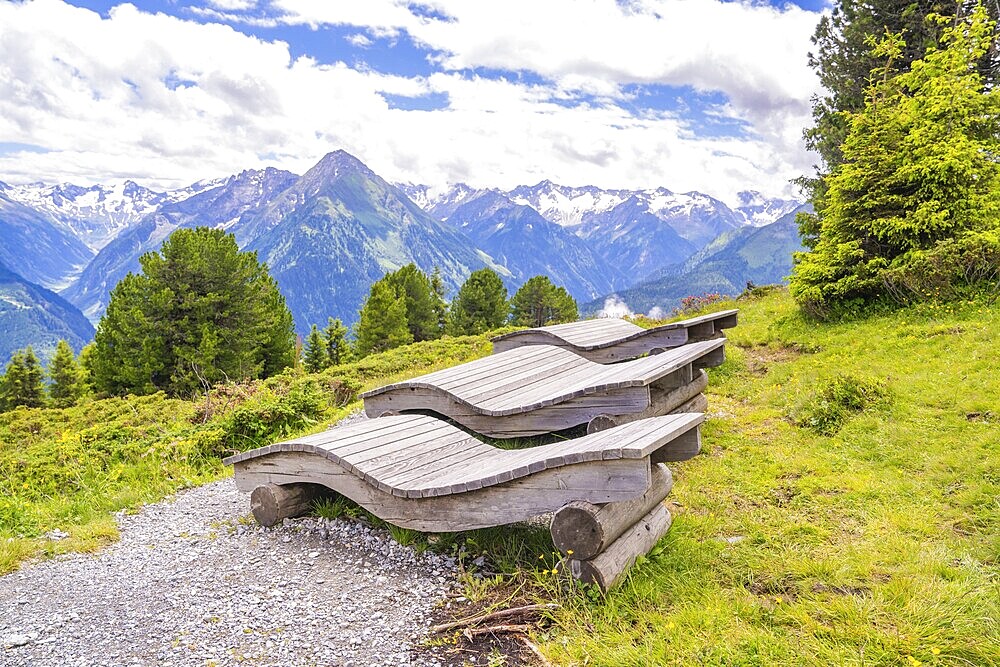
point(612, 340)
point(606, 569)
point(582, 530)
point(517, 500)
point(577, 378)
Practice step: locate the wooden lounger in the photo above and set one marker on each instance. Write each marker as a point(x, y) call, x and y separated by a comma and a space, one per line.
point(417, 471)
point(540, 388)
point(608, 340)
point(420, 472)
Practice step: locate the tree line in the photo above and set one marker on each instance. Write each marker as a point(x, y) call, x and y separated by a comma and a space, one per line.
point(201, 312)
point(907, 197)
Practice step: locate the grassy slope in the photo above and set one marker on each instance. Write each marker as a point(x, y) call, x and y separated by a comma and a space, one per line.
point(71, 469)
point(879, 545)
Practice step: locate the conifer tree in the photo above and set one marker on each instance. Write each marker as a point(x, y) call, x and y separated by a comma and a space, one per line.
point(539, 303)
point(65, 381)
point(200, 312)
point(844, 56)
point(439, 293)
point(22, 382)
point(919, 184)
point(315, 358)
point(382, 321)
point(480, 305)
point(337, 350)
point(421, 309)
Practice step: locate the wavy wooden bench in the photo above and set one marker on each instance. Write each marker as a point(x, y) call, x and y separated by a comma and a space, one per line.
point(608, 340)
point(420, 472)
point(539, 389)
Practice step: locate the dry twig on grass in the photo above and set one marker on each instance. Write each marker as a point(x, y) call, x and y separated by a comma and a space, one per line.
point(494, 616)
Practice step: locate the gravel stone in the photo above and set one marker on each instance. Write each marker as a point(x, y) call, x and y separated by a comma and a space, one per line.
point(194, 581)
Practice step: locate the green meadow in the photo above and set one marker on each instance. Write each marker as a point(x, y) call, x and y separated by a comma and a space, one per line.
point(845, 509)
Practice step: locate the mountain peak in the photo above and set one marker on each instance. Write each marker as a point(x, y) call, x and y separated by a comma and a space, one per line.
point(335, 164)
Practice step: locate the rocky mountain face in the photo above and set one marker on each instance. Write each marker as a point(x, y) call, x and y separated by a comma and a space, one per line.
point(643, 233)
point(330, 233)
point(97, 214)
point(34, 247)
point(519, 238)
point(33, 315)
point(761, 255)
point(339, 228)
point(758, 210)
point(220, 205)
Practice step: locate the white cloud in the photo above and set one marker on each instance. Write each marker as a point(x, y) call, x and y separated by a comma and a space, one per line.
point(656, 313)
point(614, 306)
point(233, 5)
point(169, 101)
point(360, 40)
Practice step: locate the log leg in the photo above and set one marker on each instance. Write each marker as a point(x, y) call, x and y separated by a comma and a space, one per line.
point(606, 568)
point(272, 502)
point(583, 530)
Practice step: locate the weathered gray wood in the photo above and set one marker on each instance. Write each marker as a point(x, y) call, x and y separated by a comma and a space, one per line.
point(683, 447)
point(517, 500)
point(697, 404)
point(663, 400)
point(511, 423)
point(582, 530)
point(548, 392)
point(467, 463)
point(271, 503)
point(607, 568)
point(609, 340)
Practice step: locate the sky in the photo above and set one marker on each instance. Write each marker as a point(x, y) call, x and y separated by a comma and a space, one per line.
point(689, 95)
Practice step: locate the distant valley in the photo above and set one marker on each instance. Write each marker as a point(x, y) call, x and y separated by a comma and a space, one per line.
point(328, 234)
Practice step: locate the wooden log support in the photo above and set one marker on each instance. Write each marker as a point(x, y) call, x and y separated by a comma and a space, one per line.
point(271, 503)
point(663, 399)
point(583, 530)
point(697, 404)
point(607, 568)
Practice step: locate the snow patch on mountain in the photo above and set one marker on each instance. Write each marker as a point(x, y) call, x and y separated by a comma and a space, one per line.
point(758, 210)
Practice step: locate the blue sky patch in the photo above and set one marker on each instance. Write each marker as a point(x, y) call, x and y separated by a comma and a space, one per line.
point(429, 102)
point(11, 147)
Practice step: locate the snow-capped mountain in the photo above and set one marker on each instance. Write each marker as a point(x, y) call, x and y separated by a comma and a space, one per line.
point(98, 213)
point(215, 203)
point(441, 202)
point(567, 206)
point(758, 210)
point(519, 238)
point(641, 232)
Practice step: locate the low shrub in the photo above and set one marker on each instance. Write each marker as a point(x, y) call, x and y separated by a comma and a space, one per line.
point(834, 401)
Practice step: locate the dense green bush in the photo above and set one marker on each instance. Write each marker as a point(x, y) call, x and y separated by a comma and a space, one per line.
point(834, 401)
point(919, 185)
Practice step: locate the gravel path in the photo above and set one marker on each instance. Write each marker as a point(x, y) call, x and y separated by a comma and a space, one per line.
point(192, 582)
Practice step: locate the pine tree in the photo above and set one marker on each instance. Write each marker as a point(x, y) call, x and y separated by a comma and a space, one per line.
point(22, 382)
point(919, 177)
point(200, 312)
point(439, 293)
point(65, 377)
point(315, 358)
point(337, 350)
point(539, 303)
point(85, 361)
point(421, 308)
point(382, 321)
point(480, 305)
point(844, 57)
